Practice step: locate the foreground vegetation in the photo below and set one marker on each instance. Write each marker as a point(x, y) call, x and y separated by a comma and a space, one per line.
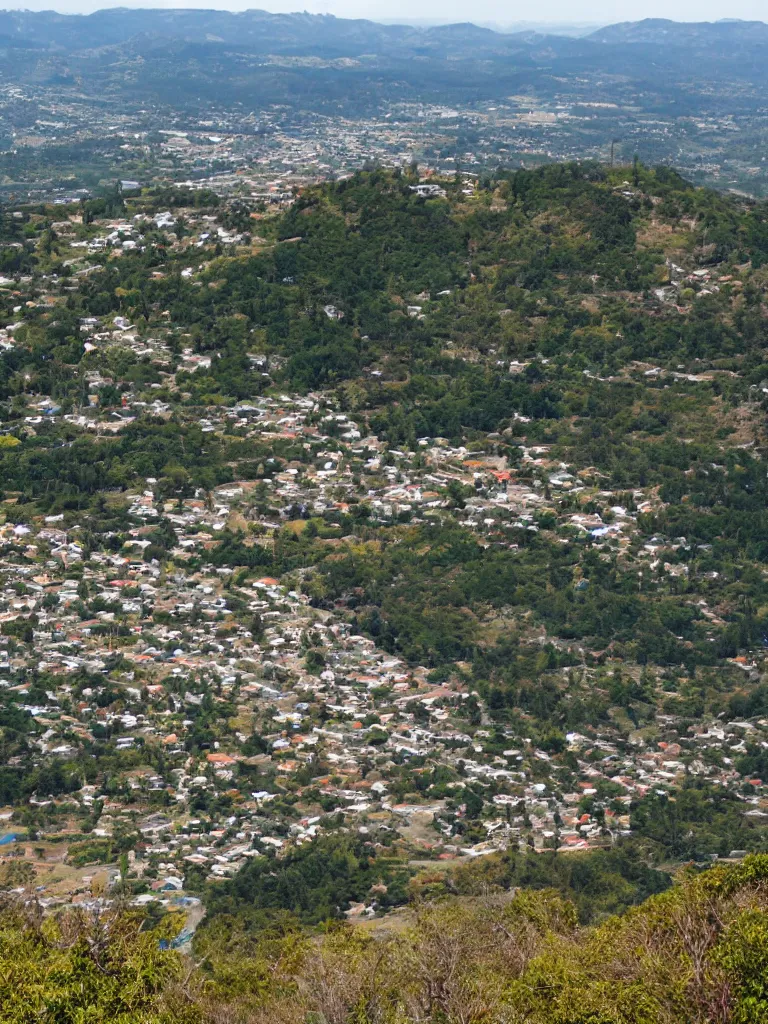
point(697, 953)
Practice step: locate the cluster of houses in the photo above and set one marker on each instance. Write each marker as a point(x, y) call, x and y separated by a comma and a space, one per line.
point(247, 719)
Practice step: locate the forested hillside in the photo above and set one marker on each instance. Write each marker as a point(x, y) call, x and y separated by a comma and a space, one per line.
point(383, 602)
point(620, 328)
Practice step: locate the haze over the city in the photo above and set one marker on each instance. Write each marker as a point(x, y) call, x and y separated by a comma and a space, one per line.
point(560, 14)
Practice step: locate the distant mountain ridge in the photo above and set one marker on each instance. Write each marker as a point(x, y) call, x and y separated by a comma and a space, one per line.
point(256, 30)
point(260, 30)
point(664, 32)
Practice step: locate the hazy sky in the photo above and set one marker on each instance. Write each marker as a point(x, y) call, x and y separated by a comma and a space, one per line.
point(556, 11)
